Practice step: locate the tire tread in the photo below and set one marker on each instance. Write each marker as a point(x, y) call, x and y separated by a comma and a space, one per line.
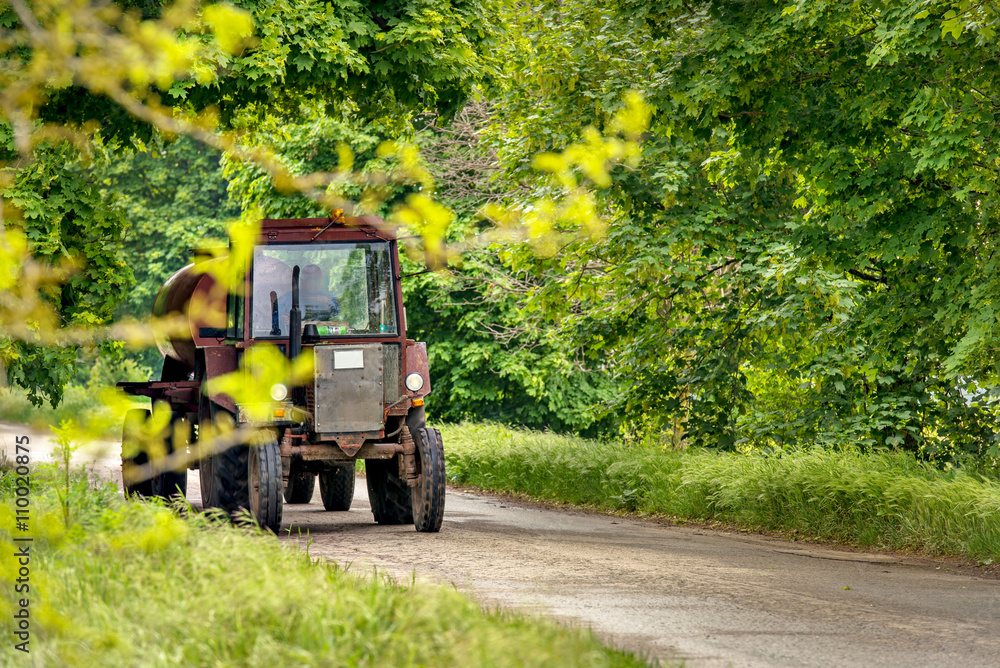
point(389, 495)
point(429, 494)
point(263, 454)
point(300, 487)
point(337, 488)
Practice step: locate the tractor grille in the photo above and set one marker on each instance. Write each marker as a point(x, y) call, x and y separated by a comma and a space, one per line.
point(390, 375)
point(348, 390)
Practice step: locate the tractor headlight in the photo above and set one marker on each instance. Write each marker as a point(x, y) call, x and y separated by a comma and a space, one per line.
point(279, 392)
point(414, 382)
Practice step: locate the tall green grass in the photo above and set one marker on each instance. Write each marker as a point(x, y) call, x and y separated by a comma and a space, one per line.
point(136, 584)
point(885, 500)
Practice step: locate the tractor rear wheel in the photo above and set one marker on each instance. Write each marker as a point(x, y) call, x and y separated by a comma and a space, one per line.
point(300, 487)
point(337, 488)
point(170, 483)
point(388, 492)
point(134, 453)
point(428, 495)
point(264, 467)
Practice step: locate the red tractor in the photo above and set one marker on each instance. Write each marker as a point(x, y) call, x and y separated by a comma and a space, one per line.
point(328, 288)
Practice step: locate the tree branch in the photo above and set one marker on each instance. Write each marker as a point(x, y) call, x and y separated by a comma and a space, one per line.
point(867, 277)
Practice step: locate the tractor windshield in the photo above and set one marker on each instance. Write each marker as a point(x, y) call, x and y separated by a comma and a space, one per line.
point(345, 289)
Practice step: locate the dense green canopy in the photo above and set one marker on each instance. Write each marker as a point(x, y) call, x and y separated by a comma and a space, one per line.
point(807, 251)
point(804, 253)
point(78, 72)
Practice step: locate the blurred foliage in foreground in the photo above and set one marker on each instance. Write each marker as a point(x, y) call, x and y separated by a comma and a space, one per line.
point(82, 399)
point(137, 584)
point(875, 499)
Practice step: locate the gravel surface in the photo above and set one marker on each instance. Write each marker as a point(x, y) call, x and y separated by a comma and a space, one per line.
point(711, 598)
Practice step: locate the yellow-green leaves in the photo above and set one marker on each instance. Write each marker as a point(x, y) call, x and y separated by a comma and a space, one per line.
point(428, 218)
point(632, 120)
point(233, 262)
point(966, 16)
point(420, 212)
point(26, 289)
point(262, 367)
point(149, 436)
point(409, 164)
point(952, 24)
point(13, 251)
point(116, 54)
point(345, 157)
point(575, 173)
point(230, 25)
point(596, 154)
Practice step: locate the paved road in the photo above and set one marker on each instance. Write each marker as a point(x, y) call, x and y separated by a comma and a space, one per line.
point(711, 598)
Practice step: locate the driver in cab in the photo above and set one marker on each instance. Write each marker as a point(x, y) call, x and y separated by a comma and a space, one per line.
point(318, 304)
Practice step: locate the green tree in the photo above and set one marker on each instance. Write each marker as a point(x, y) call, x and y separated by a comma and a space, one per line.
point(103, 78)
point(491, 358)
point(174, 198)
point(77, 231)
point(806, 251)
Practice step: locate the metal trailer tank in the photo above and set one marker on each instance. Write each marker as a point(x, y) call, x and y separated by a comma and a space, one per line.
point(192, 285)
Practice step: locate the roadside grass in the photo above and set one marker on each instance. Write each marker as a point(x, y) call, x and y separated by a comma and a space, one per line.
point(882, 499)
point(141, 584)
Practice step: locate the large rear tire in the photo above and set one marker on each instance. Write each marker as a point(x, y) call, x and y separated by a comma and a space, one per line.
point(134, 453)
point(264, 467)
point(428, 495)
point(387, 491)
point(300, 487)
point(337, 488)
point(173, 483)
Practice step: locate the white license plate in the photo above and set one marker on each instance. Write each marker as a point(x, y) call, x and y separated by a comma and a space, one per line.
point(348, 359)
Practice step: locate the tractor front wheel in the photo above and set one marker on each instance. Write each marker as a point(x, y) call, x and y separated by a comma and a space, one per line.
point(428, 495)
point(387, 491)
point(337, 488)
point(300, 487)
point(223, 475)
point(264, 467)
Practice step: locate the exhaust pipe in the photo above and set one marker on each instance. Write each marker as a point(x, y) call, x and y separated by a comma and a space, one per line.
point(295, 333)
